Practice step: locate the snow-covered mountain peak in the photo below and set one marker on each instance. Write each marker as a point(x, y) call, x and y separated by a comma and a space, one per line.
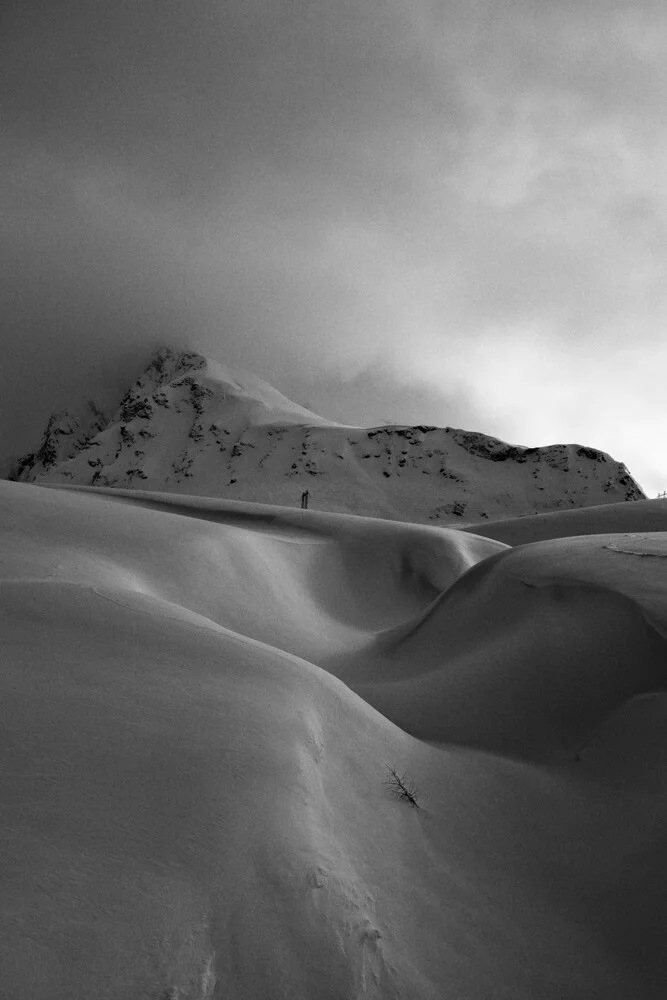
point(193, 425)
point(206, 378)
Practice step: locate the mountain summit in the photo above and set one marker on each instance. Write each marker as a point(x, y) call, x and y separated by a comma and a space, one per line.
point(192, 425)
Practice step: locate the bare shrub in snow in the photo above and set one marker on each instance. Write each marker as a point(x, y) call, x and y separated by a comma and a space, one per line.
point(401, 786)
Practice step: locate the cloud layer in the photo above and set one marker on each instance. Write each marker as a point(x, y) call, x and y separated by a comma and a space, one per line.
point(400, 209)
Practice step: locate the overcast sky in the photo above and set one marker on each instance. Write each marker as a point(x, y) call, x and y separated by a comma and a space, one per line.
point(394, 210)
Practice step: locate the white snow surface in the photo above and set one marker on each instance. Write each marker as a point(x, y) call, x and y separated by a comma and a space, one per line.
point(201, 697)
point(191, 425)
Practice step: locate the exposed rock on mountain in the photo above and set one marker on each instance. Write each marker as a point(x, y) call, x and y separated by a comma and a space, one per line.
point(191, 425)
point(66, 434)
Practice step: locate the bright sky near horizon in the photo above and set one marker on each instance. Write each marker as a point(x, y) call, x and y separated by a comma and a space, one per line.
point(393, 210)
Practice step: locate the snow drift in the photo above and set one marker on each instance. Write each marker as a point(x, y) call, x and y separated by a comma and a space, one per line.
point(201, 698)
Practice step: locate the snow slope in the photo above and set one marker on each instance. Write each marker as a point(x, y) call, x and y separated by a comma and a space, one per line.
point(646, 515)
point(201, 697)
point(190, 425)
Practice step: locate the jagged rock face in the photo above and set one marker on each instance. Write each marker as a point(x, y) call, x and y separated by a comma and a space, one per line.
point(66, 434)
point(189, 425)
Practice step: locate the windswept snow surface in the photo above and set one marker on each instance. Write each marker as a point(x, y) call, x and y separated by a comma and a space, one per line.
point(644, 515)
point(200, 698)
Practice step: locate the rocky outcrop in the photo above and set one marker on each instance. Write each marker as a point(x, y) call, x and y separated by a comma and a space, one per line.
point(66, 434)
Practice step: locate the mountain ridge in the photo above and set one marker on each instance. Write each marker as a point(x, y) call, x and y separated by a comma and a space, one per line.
point(195, 426)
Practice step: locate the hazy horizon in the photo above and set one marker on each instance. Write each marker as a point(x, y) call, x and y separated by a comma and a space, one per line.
point(409, 212)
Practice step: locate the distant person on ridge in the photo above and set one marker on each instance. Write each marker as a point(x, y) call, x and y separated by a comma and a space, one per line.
point(304, 500)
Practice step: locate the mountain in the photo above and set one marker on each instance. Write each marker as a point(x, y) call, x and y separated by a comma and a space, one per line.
point(191, 425)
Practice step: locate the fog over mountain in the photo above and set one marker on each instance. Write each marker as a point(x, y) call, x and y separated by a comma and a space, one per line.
point(438, 213)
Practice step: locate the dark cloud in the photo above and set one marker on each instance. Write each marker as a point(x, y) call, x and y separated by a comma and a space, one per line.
point(382, 198)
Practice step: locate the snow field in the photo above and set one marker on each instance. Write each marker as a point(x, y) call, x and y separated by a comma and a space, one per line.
point(200, 700)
